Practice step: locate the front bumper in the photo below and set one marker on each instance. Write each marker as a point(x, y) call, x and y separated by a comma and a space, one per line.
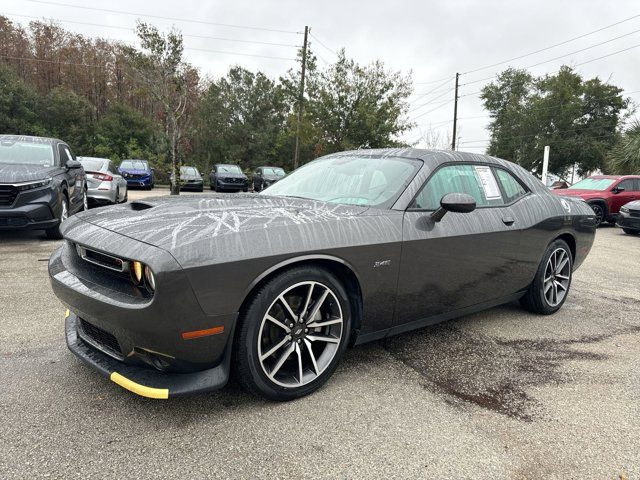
point(626, 220)
point(144, 381)
point(139, 181)
point(222, 185)
point(31, 211)
point(192, 185)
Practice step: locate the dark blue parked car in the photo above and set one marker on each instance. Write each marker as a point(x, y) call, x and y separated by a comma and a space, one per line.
point(137, 173)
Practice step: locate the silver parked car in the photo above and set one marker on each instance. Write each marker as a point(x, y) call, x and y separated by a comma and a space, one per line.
point(104, 184)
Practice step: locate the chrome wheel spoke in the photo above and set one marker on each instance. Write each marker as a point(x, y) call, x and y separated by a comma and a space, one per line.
point(562, 265)
point(282, 359)
point(323, 338)
point(313, 357)
point(563, 277)
point(308, 300)
point(300, 371)
point(287, 307)
point(317, 305)
point(274, 349)
point(560, 285)
point(277, 322)
point(332, 321)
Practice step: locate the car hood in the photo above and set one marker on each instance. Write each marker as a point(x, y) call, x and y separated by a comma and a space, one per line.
point(635, 205)
point(190, 177)
point(568, 192)
point(134, 171)
point(16, 173)
point(232, 175)
point(175, 222)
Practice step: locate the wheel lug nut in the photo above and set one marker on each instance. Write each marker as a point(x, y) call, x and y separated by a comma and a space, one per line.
point(299, 340)
point(306, 330)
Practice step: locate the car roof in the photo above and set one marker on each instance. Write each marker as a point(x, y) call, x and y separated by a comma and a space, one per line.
point(31, 138)
point(93, 158)
point(614, 177)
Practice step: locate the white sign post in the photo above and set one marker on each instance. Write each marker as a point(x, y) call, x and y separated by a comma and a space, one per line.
point(545, 164)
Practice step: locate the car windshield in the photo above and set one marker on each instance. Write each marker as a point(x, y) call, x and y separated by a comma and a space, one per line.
point(134, 165)
point(188, 171)
point(593, 184)
point(92, 164)
point(229, 169)
point(351, 180)
point(278, 172)
point(26, 153)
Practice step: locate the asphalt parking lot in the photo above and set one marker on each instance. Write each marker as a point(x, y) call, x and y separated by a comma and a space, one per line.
point(501, 394)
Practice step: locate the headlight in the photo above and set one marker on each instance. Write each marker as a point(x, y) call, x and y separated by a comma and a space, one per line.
point(624, 209)
point(148, 275)
point(136, 272)
point(31, 185)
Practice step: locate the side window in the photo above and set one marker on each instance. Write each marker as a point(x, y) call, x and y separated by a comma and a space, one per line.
point(475, 180)
point(637, 184)
point(510, 186)
point(65, 155)
point(627, 184)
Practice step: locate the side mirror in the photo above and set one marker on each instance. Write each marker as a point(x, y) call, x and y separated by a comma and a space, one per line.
point(73, 164)
point(454, 202)
point(617, 190)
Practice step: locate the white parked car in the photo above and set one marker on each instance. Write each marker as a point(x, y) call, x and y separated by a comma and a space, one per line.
point(104, 184)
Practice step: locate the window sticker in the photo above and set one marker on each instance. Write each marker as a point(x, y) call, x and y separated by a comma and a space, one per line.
point(488, 182)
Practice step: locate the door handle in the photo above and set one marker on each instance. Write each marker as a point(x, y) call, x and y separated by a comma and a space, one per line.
point(508, 221)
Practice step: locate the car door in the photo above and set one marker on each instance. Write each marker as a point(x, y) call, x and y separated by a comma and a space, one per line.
point(118, 180)
point(629, 194)
point(465, 259)
point(74, 178)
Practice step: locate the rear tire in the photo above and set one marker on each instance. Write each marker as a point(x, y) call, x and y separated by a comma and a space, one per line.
point(282, 352)
point(550, 287)
point(630, 231)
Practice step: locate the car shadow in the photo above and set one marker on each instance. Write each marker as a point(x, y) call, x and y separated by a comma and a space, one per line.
point(8, 237)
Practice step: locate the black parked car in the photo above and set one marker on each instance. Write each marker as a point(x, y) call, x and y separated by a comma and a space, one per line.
point(629, 217)
point(41, 184)
point(264, 177)
point(190, 179)
point(166, 295)
point(228, 177)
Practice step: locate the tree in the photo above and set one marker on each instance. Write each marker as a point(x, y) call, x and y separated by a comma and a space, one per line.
point(354, 106)
point(240, 119)
point(624, 158)
point(69, 117)
point(124, 133)
point(162, 71)
point(18, 105)
point(577, 118)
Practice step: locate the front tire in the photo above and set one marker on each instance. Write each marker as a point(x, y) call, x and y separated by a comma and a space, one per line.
point(54, 232)
point(630, 231)
point(292, 334)
point(551, 284)
point(600, 211)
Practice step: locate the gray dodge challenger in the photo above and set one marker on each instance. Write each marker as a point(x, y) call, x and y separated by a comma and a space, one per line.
point(168, 296)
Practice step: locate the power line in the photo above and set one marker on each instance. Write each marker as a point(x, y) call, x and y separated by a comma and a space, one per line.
point(205, 37)
point(434, 109)
point(430, 82)
point(323, 44)
point(551, 46)
point(177, 19)
point(429, 102)
point(432, 90)
point(241, 54)
point(576, 65)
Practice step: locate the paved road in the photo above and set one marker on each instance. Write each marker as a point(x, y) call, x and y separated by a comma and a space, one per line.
point(501, 394)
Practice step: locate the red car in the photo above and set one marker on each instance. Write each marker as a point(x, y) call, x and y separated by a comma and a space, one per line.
point(605, 193)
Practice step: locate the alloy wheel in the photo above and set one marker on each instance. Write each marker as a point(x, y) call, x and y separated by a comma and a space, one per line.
point(557, 276)
point(599, 212)
point(300, 334)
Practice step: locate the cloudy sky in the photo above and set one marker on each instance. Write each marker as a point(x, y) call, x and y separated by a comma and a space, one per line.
point(430, 39)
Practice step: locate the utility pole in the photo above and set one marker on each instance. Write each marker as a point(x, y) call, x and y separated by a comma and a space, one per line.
point(296, 156)
point(455, 115)
point(545, 164)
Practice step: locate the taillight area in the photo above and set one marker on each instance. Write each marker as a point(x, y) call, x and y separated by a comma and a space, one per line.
point(103, 177)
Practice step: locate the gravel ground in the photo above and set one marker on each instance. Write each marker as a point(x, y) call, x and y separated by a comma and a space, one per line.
point(501, 394)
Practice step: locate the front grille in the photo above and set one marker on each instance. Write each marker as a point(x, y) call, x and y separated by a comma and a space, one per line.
point(102, 259)
point(100, 339)
point(137, 176)
point(8, 194)
point(13, 221)
point(634, 213)
point(233, 180)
